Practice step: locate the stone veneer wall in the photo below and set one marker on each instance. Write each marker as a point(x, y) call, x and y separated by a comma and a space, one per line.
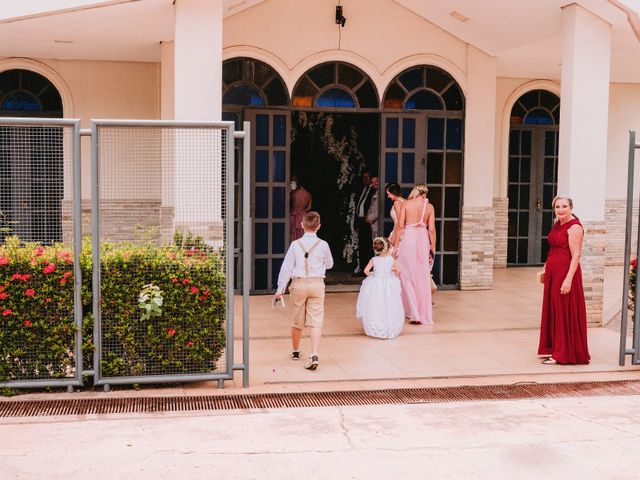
point(615, 218)
point(477, 248)
point(592, 264)
point(501, 230)
point(123, 220)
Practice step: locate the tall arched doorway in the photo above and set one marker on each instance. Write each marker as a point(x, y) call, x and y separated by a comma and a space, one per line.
point(533, 175)
point(31, 159)
point(335, 137)
point(253, 91)
point(422, 141)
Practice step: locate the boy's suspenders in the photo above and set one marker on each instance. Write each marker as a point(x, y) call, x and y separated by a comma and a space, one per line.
point(306, 254)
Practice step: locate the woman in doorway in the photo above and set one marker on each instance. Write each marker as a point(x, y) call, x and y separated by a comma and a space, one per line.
point(563, 329)
point(300, 204)
point(394, 193)
point(414, 241)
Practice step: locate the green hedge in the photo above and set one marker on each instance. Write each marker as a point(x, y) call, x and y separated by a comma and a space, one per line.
point(185, 335)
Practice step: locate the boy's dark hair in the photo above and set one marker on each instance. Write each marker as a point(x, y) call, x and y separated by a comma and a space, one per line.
point(311, 220)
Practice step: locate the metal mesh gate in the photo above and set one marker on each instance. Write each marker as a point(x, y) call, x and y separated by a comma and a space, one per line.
point(163, 240)
point(40, 236)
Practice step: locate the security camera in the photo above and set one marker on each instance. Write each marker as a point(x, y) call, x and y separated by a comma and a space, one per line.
point(340, 19)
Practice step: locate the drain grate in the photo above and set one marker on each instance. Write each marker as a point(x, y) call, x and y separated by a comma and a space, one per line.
point(100, 406)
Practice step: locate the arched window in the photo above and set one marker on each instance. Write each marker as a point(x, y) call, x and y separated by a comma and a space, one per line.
point(246, 81)
point(26, 94)
point(424, 87)
point(537, 107)
point(335, 85)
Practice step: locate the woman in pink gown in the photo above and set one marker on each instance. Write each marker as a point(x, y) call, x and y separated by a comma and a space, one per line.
point(414, 248)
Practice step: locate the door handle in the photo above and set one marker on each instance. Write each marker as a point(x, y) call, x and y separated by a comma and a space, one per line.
point(538, 204)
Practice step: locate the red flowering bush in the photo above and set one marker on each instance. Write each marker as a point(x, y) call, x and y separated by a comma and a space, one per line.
point(188, 336)
point(37, 328)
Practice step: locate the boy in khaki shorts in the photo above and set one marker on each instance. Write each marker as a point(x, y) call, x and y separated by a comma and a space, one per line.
point(306, 262)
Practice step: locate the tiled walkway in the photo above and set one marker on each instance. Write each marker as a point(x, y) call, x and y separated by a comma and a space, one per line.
point(479, 337)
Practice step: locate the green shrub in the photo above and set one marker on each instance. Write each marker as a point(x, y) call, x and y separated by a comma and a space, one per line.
point(185, 333)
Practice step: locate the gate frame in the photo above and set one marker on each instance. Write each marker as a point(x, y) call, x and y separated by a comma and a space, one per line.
point(635, 350)
point(76, 380)
point(99, 379)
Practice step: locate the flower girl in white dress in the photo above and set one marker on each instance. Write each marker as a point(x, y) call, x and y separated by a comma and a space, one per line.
point(379, 303)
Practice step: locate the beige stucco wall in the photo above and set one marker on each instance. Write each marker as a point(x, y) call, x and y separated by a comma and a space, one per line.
point(99, 89)
point(300, 35)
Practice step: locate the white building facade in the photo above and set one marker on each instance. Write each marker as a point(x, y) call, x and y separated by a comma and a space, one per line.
point(463, 95)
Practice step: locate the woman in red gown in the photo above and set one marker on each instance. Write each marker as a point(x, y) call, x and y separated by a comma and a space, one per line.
point(563, 329)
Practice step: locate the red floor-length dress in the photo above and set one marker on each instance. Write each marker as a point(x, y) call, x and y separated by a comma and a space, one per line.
point(563, 329)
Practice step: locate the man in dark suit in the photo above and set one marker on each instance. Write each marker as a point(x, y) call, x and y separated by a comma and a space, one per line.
point(361, 223)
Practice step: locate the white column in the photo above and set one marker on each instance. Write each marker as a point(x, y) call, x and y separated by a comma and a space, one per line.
point(198, 60)
point(477, 229)
point(198, 96)
point(584, 110)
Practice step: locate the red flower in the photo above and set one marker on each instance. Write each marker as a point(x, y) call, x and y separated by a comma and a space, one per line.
point(206, 293)
point(66, 274)
point(29, 292)
point(171, 255)
point(634, 264)
point(186, 281)
point(39, 251)
point(49, 268)
point(174, 280)
point(188, 253)
point(2, 288)
point(7, 312)
point(17, 276)
point(4, 261)
point(189, 343)
point(3, 295)
point(47, 300)
point(27, 323)
point(203, 298)
point(195, 290)
point(63, 281)
point(171, 332)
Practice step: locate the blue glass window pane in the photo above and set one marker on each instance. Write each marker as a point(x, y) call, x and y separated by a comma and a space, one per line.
point(243, 95)
point(262, 202)
point(408, 160)
point(392, 133)
point(435, 134)
point(454, 134)
point(335, 97)
point(278, 202)
point(409, 133)
point(406, 191)
point(279, 130)
point(261, 268)
point(262, 166)
point(278, 166)
point(232, 117)
point(391, 167)
point(261, 240)
point(277, 245)
point(538, 116)
point(262, 130)
point(514, 142)
point(276, 263)
point(424, 100)
point(450, 269)
point(21, 101)
point(525, 145)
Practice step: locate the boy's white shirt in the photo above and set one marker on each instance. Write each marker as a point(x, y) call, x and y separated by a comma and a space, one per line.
point(319, 260)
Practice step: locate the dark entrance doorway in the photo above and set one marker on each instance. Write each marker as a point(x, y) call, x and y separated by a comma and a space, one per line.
point(329, 151)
